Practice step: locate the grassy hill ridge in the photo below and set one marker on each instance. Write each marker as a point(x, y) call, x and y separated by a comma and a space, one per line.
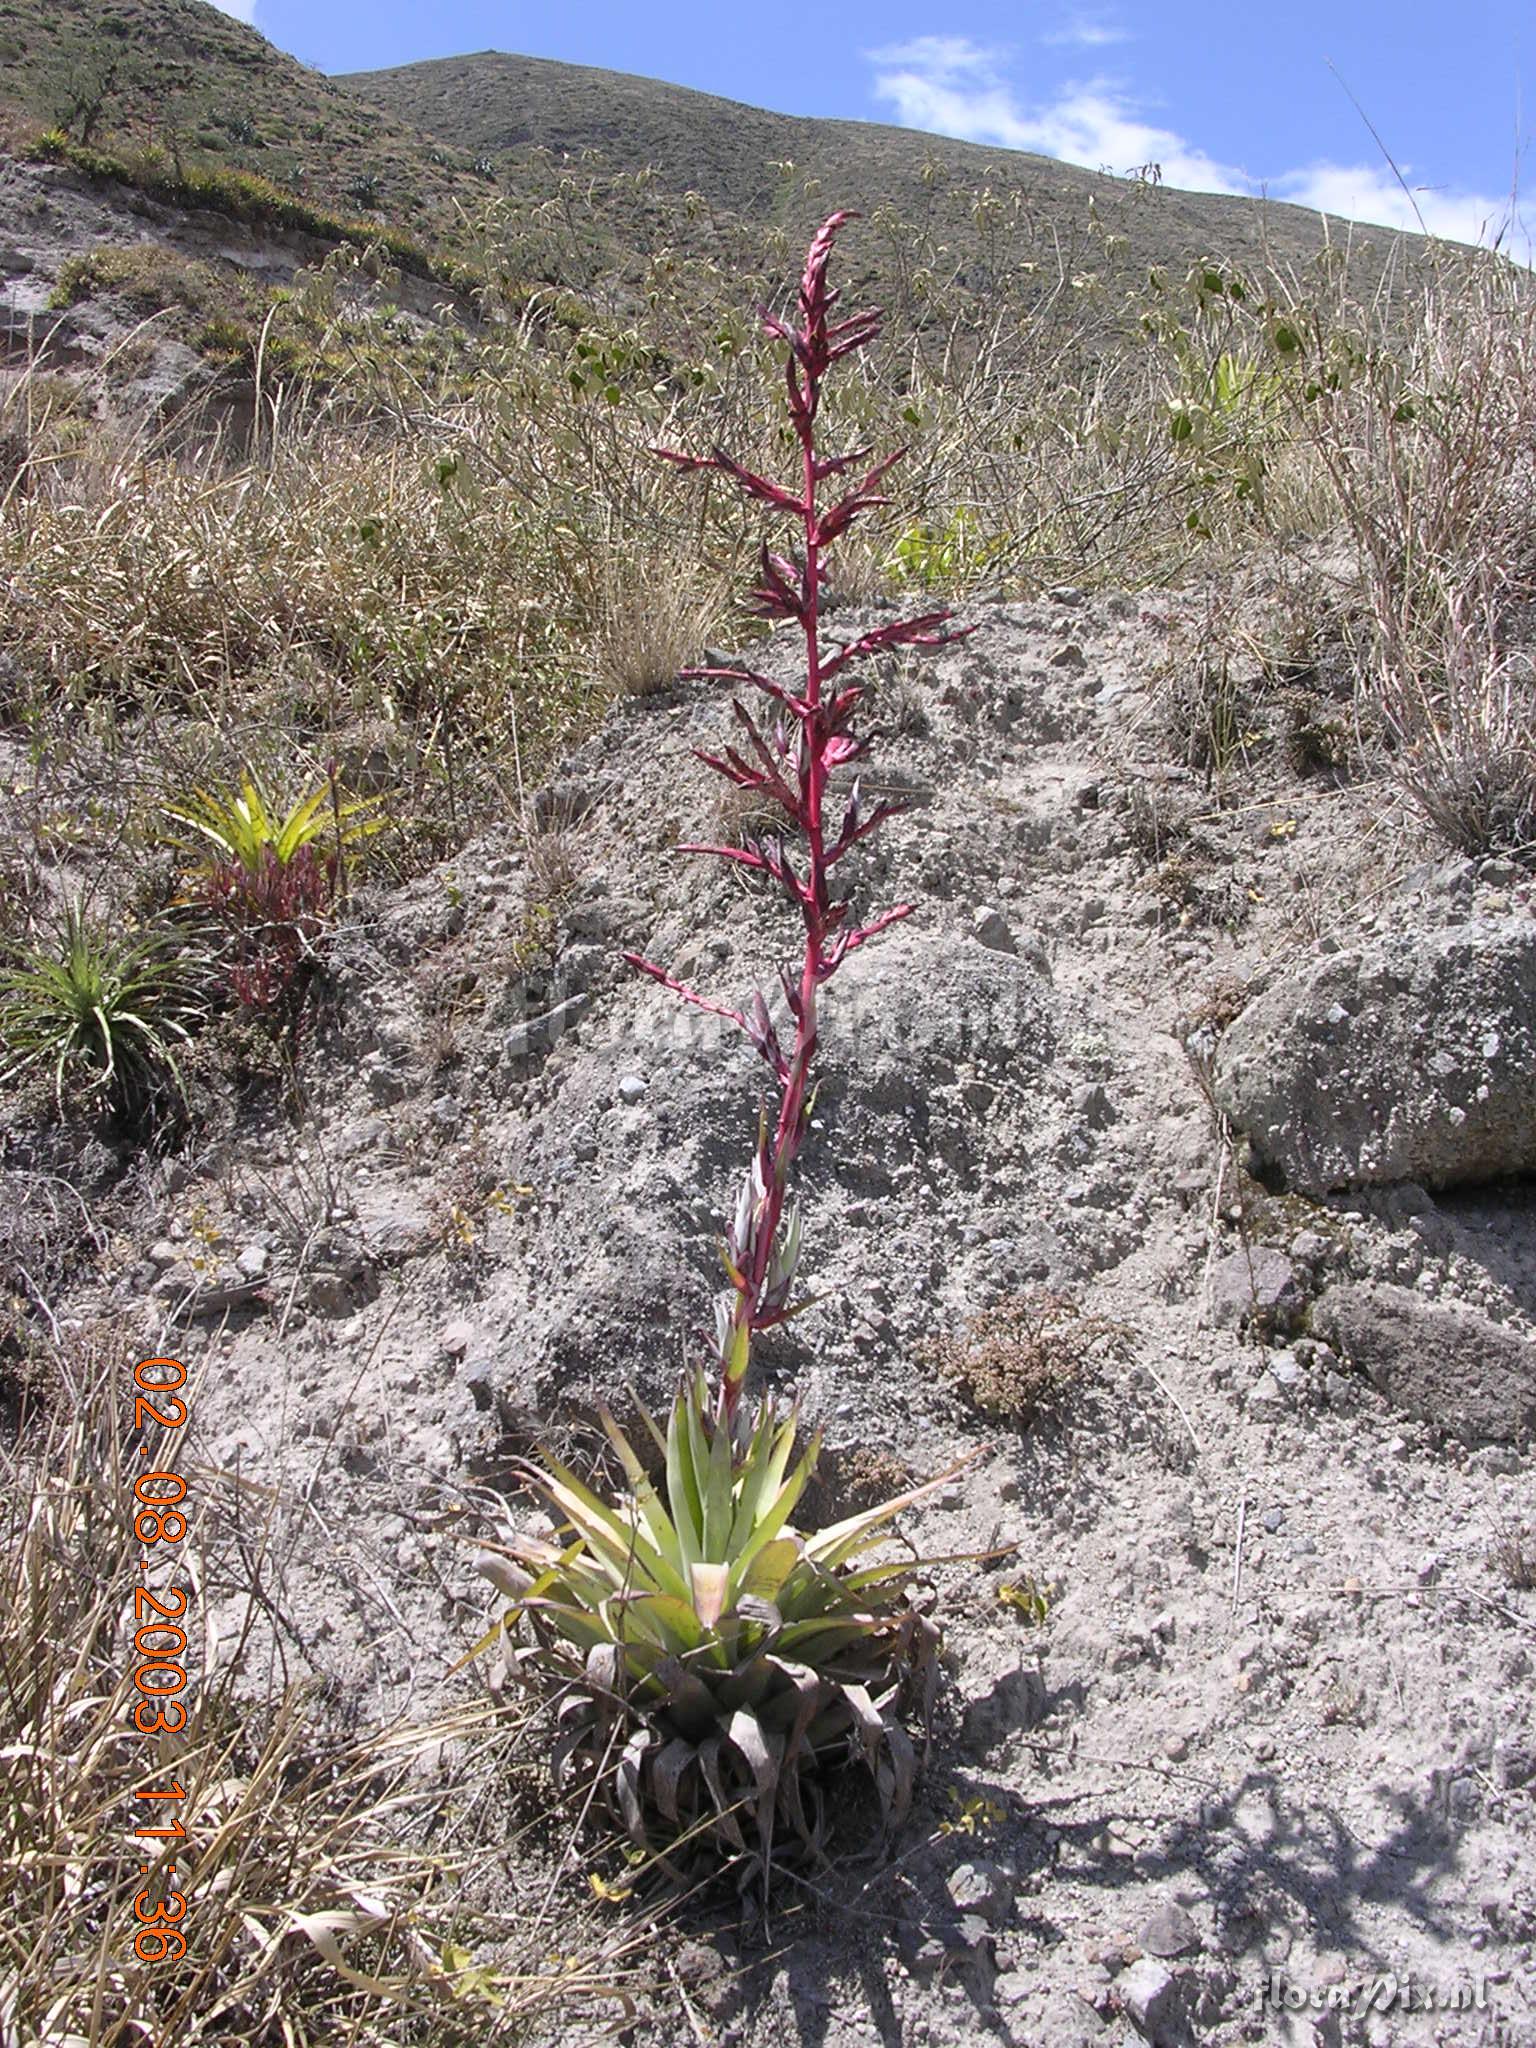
point(734, 157)
point(179, 81)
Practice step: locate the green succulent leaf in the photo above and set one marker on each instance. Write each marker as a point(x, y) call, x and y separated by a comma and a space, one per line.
point(711, 1656)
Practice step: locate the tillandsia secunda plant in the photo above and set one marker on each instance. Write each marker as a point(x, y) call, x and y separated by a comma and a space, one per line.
point(709, 1658)
point(271, 876)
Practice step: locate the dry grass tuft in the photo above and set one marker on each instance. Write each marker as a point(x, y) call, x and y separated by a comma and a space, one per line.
point(651, 619)
point(319, 1864)
point(1025, 1355)
point(1513, 1556)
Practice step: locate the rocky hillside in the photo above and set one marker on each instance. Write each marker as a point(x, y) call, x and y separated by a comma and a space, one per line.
point(1177, 1152)
point(1168, 1187)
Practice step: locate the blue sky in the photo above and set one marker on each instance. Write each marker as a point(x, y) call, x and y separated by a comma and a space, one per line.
point(1228, 97)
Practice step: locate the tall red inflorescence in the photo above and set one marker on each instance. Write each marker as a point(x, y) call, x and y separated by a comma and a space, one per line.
point(791, 763)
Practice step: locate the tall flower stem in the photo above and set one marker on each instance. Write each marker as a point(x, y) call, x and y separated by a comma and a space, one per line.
point(791, 765)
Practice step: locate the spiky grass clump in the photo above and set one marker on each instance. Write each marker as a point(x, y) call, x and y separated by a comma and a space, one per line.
point(100, 1010)
point(715, 1662)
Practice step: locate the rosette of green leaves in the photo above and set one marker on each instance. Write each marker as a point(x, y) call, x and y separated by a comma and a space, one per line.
point(101, 1008)
point(245, 824)
point(714, 1658)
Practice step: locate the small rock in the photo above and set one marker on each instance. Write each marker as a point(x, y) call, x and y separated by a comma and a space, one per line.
point(163, 1254)
point(253, 1262)
point(328, 1292)
point(1366, 1068)
point(1273, 1520)
point(990, 929)
point(1092, 1104)
point(385, 1084)
point(631, 1089)
point(1257, 1286)
point(1447, 1365)
point(456, 1338)
point(1169, 1931)
point(1309, 1247)
point(1014, 1986)
point(1266, 1392)
point(1496, 1458)
point(1149, 1998)
point(972, 1931)
point(924, 1954)
point(539, 1034)
point(1070, 657)
point(982, 1888)
point(699, 1963)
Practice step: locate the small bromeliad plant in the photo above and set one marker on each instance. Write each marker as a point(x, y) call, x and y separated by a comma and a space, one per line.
point(270, 877)
point(712, 1659)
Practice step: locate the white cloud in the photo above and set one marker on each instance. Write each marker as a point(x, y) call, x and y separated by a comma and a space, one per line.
point(952, 86)
point(242, 10)
point(949, 85)
point(945, 55)
point(1085, 35)
point(1366, 192)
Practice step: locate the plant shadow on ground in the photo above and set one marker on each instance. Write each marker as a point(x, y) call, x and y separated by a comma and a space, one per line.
point(1267, 1863)
point(1493, 1226)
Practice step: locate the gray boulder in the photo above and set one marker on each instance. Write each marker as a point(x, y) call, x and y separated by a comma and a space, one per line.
point(910, 1009)
point(1447, 1365)
point(1411, 1058)
point(1255, 1288)
point(615, 1265)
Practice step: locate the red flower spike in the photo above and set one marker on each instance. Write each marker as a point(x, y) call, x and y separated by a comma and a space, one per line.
point(744, 856)
point(810, 742)
point(781, 594)
point(759, 487)
point(682, 461)
point(900, 633)
point(861, 828)
point(838, 465)
point(681, 988)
